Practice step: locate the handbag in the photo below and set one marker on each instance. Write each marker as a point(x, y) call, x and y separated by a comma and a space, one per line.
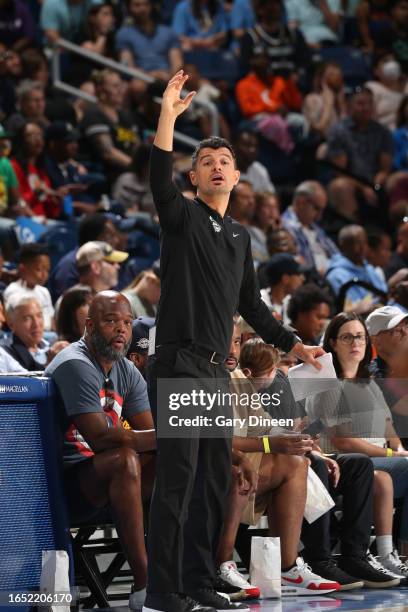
point(318, 500)
point(265, 567)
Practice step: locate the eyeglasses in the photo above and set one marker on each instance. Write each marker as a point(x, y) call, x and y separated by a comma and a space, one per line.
point(349, 338)
point(399, 331)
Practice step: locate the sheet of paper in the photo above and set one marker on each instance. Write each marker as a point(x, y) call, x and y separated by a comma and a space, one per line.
point(305, 380)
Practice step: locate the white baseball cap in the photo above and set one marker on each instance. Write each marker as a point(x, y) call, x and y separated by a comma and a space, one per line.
point(384, 319)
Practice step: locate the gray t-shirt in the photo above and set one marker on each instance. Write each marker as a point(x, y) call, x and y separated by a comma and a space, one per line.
point(83, 388)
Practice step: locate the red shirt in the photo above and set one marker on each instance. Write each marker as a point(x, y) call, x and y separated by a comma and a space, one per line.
point(32, 184)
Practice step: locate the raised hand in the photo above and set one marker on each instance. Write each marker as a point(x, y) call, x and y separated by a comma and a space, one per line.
point(173, 105)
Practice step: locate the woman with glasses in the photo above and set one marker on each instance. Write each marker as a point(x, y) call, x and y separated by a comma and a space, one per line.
point(358, 420)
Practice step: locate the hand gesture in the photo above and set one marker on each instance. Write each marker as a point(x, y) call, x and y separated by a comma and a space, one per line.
point(308, 354)
point(173, 105)
point(291, 444)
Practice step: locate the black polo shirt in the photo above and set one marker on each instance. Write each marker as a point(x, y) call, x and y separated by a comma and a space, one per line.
point(207, 272)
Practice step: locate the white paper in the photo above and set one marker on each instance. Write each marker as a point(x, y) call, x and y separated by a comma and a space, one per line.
point(306, 381)
point(152, 341)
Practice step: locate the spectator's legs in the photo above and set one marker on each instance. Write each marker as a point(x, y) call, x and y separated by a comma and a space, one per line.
point(232, 519)
point(383, 505)
point(356, 486)
point(316, 536)
point(342, 196)
point(284, 477)
point(397, 468)
point(114, 477)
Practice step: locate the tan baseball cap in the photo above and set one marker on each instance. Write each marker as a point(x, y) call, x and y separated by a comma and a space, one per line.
point(98, 251)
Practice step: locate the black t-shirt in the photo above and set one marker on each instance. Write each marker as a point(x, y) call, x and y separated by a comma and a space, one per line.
point(207, 272)
point(125, 133)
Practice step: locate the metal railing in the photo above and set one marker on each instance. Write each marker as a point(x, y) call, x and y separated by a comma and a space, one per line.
point(65, 45)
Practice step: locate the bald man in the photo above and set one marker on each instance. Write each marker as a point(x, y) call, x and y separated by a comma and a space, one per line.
point(105, 464)
point(351, 264)
point(301, 219)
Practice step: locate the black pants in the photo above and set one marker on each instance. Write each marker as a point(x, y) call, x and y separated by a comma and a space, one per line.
point(192, 483)
point(356, 487)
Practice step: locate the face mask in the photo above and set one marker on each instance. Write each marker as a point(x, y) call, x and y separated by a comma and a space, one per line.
point(391, 70)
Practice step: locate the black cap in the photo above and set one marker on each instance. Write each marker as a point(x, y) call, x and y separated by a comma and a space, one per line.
point(280, 264)
point(62, 130)
point(140, 335)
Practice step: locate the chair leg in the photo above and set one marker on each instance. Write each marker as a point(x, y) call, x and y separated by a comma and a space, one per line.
point(93, 581)
point(108, 575)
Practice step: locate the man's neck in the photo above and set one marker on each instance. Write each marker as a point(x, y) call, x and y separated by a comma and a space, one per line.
point(219, 203)
point(277, 294)
point(106, 366)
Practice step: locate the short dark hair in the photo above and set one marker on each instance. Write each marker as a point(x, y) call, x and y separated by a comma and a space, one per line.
point(91, 227)
point(331, 334)
point(215, 142)
point(305, 299)
point(31, 251)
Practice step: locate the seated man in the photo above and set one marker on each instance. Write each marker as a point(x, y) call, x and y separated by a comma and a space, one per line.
point(139, 347)
point(301, 219)
point(280, 472)
point(28, 347)
point(351, 264)
point(104, 463)
point(98, 265)
point(283, 275)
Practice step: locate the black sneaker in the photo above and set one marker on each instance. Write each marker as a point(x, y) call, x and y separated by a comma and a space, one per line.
point(233, 592)
point(373, 577)
point(173, 602)
point(209, 597)
point(328, 569)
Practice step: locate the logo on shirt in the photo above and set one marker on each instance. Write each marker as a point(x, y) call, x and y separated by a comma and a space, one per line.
point(234, 235)
point(217, 227)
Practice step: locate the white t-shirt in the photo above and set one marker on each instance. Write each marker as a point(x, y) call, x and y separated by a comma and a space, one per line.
point(41, 294)
point(259, 178)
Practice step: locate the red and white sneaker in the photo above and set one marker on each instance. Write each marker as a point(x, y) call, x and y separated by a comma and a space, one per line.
point(300, 580)
point(230, 574)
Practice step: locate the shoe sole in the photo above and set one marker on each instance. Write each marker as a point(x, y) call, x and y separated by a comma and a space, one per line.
point(294, 590)
point(245, 594)
point(352, 585)
point(382, 585)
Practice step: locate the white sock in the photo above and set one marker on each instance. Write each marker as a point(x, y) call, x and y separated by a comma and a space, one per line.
point(384, 545)
point(138, 596)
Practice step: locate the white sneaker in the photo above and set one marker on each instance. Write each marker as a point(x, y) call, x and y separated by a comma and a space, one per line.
point(300, 580)
point(393, 564)
point(229, 572)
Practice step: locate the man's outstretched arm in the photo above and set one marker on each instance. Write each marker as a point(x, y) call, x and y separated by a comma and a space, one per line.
point(172, 106)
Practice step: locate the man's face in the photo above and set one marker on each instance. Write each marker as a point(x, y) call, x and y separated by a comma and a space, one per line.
point(386, 342)
point(356, 248)
point(235, 350)
point(400, 14)
point(37, 271)
point(140, 361)
point(27, 323)
point(215, 172)
point(109, 273)
point(311, 324)
point(244, 203)
point(362, 107)
point(33, 104)
point(140, 9)
point(110, 330)
point(110, 235)
point(292, 282)
point(310, 208)
point(247, 147)
point(381, 255)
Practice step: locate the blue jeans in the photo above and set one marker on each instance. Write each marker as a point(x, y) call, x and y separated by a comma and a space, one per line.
point(397, 468)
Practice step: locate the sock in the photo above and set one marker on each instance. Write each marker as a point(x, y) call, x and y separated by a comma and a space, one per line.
point(139, 596)
point(284, 570)
point(384, 545)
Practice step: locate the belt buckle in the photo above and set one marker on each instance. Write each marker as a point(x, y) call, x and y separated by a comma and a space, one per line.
point(212, 359)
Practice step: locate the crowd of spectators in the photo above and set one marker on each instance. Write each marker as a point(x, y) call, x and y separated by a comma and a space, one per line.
point(314, 97)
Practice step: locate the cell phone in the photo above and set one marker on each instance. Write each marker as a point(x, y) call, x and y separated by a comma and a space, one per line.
point(315, 428)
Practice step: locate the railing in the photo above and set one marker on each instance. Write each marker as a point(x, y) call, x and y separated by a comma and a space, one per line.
point(122, 69)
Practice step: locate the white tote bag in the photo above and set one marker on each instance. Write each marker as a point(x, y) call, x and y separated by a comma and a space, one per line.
point(55, 579)
point(318, 500)
point(265, 569)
